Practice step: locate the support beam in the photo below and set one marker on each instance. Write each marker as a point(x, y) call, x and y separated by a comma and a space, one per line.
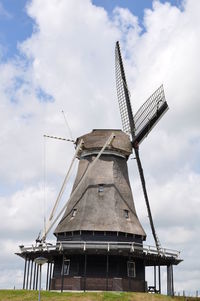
point(25, 265)
point(30, 280)
point(155, 277)
point(47, 278)
point(107, 270)
point(27, 276)
point(34, 276)
point(172, 277)
point(170, 284)
point(85, 271)
point(62, 273)
point(159, 280)
point(36, 283)
point(129, 278)
point(51, 275)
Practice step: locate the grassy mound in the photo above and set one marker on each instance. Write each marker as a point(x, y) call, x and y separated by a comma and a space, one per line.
point(22, 295)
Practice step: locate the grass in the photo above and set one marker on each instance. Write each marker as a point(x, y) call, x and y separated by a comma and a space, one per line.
point(23, 295)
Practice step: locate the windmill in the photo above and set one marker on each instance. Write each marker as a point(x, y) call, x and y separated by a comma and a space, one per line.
point(139, 125)
point(99, 236)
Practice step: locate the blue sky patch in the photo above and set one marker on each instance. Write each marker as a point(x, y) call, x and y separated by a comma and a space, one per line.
point(15, 26)
point(43, 96)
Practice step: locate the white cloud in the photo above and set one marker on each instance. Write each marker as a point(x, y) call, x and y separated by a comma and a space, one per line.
point(70, 56)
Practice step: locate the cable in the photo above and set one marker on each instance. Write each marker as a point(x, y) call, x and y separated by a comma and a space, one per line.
point(67, 124)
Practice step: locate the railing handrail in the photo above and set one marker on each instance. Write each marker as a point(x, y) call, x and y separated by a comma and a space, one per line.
point(148, 249)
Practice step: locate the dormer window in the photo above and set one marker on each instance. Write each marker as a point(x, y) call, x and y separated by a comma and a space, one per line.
point(126, 213)
point(100, 188)
point(74, 211)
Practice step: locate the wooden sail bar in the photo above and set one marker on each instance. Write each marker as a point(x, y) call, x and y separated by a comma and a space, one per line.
point(59, 138)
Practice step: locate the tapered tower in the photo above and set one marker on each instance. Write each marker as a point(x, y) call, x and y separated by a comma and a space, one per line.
point(102, 207)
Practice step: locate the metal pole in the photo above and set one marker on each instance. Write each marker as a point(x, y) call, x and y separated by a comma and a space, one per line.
point(47, 278)
point(159, 280)
point(40, 280)
point(25, 263)
point(27, 276)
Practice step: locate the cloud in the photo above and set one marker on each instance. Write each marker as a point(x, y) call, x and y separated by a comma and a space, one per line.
point(68, 64)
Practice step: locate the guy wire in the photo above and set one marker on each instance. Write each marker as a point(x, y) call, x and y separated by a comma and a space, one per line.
point(44, 183)
point(67, 124)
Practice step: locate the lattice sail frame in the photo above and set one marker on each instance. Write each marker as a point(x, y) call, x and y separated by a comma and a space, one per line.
point(148, 114)
point(149, 111)
point(122, 88)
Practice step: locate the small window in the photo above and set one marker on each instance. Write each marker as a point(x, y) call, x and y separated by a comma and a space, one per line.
point(66, 266)
point(74, 211)
point(100, 188)
point(131, 269)
point(126, 213)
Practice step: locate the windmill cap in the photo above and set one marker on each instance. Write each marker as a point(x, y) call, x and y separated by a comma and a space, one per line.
point(95, 140)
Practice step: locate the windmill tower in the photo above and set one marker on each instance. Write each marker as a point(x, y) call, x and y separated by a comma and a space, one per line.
point(99, 236)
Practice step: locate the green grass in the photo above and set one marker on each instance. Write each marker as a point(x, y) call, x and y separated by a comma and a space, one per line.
point(22, 295)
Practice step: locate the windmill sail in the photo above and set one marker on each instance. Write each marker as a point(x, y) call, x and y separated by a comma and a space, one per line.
point(149, 114)
point(123, 94)
point(139, 125)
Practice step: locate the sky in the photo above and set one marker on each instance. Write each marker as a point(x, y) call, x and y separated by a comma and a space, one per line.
point(59, 55)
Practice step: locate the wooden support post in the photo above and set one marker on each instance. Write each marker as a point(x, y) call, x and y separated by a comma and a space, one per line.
point(47, 278)
point(168, 281)
point(62, 273)
point(50, 276)
point(34, 275)
point(107, 270)
point(27, 276)
point(155, 278)
point(85, 271)
point(129, 278)
point(36, 282)
point(172, 279)
point(159, 280)
point(30, 281)
point(170, 284)
point(25, 264)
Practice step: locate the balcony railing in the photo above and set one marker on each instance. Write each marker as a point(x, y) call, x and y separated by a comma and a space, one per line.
point(101, 245)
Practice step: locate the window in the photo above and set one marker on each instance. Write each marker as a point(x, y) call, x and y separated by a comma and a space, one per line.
point(100, 188)
point(126, 213)
point(74, 211)
point(66, 266)
point(131, 269)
